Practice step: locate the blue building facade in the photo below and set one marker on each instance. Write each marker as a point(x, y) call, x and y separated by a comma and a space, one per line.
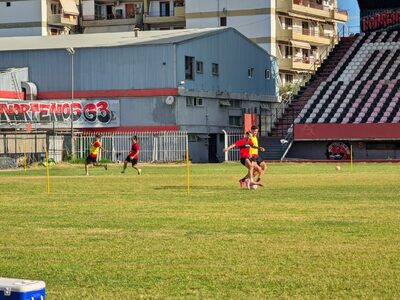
point(202, 81)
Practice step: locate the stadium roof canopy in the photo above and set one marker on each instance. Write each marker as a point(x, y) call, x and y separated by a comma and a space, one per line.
point(374, 4)
point(97, 40)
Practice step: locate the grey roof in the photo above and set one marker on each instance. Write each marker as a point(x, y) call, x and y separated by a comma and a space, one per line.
point(95, 40)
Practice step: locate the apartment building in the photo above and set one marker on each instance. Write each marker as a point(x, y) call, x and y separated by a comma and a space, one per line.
point(38, 17)
point(305, 32)
point(298, 32)
point(124, 15)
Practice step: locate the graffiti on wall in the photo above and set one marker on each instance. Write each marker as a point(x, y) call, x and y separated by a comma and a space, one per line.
point(85, 114)
point(375, 20)
point(338, 151)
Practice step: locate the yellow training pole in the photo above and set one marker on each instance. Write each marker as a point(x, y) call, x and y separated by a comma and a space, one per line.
point(187, 171)
point(351, 158)
point(25, 156)
point(47, 173)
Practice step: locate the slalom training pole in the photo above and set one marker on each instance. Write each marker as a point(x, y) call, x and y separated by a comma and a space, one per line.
point(351, 158)
point(187, 171)
point(47, 173)
point(25, 156)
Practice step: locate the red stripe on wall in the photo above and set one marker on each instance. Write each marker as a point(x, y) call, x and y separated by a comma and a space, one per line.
point(109, 93)
point(307, 132)
point(11, 95)
point(134, 128)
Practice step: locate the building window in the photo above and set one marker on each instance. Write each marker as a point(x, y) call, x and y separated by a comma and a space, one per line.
point(288, 78)
point(194, 101)
point(215, 69)
point(189, 67)
point(288, 23)
point(267, 73)
point(222, 21)
point(55, 9)
point(235, 103)
point(288, 52)
point(8, 4)
point(235, 121)
point(54, 31)
point(250, 72)
point(198, 102)
point(119, 13)
point(199, 67)
point(164, 9)
point(189, 101)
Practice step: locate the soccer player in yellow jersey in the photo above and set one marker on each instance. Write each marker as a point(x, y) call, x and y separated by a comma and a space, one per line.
point(254, 152)
point(94, 151)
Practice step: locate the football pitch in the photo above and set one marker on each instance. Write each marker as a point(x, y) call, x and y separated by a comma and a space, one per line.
point(312, 232)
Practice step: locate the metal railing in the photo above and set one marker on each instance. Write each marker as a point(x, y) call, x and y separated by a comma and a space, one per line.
point(310, 32)
point(312, 4)
point(154, 146)
point(113, 17)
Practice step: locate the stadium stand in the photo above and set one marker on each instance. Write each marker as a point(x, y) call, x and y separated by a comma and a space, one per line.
point(358, 83)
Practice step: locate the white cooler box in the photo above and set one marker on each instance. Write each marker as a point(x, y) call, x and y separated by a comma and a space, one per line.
point(21, 289)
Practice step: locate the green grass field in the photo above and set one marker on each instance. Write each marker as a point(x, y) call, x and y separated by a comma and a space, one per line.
point(311, 233)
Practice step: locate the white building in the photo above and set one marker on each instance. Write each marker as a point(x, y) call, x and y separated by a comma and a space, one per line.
point(298, 32)
point(37, 17)
point(253, 18)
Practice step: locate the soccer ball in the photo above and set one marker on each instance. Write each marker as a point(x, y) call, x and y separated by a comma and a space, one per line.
point(254, 187)
point(337, 168)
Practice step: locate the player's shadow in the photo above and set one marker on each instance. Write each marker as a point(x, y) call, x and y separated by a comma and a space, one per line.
point(178, 187)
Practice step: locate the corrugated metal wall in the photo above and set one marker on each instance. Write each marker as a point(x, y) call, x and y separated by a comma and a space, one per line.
point(234, 54)
point(150, 111)
point(139, 67)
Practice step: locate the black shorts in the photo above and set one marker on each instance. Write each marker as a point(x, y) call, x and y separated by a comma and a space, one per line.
point(257, 159)
point(134, 161)
point(90, 160)
point(243, 161)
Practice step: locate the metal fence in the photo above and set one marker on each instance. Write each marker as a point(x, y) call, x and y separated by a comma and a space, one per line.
point(230, 138)
point(13, 147)
point(154, 146)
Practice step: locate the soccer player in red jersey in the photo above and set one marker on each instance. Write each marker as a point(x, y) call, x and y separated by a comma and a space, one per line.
point(94, 151)
point(133, 156)
point(244, 145)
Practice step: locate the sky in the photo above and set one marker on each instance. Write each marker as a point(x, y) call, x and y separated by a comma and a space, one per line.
point(354, 14)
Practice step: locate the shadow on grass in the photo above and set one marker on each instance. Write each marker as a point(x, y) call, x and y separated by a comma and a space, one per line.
point(177, 187)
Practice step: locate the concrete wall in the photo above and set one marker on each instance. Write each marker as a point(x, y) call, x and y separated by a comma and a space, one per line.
point(253, 18)
point(23, 18)
point(361, 150)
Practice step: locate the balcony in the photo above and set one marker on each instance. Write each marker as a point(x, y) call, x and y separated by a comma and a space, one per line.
point(175, 16)
point(304, 34)
point(340, 15)
point(311, 7)
point(302, 64)
point(62, 20)
point(111, 20)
